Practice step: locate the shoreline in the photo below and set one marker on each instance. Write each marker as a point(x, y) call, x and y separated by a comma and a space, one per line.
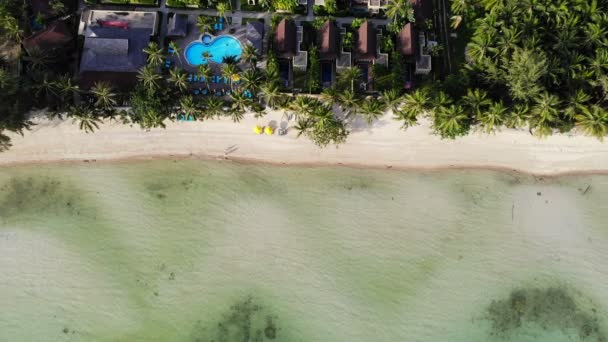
point(382, 146)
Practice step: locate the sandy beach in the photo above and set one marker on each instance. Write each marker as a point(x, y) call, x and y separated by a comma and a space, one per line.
point(383, 145)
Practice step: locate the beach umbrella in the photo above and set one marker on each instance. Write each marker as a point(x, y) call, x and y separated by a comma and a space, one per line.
point(269, 130)
point(258, 129)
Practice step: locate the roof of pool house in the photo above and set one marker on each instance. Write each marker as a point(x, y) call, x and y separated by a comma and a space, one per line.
point(366, 48)
point(285, 39)
point(178, 25)
point(328, 40)
point(405, 40)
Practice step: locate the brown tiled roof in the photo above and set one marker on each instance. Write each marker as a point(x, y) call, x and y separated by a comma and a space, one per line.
point(328, 48)
point(285, 39)
point(405, 40)
point(366, 42)
point(55, 36)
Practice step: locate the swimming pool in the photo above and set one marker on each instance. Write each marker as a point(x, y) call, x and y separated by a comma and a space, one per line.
point(219, 47)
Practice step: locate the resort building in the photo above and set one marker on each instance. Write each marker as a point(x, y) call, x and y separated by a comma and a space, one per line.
point(328, 52)
point(113, 46)
point(285, 46)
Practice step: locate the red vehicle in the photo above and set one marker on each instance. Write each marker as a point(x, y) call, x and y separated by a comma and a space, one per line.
point(113, 23)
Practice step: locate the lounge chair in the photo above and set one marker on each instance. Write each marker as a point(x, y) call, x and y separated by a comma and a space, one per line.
point(194, 78)
point(189, 78)
point(196, 92)
point(201, 79)
point(204, 92)
point(228, 92)
point(218, 93)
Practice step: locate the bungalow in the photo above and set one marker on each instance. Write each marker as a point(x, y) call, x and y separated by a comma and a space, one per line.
point(328, 52)
point(53, 39)
point(366, 51)
point(285, 47)
point(113, 46)
point(405, 40)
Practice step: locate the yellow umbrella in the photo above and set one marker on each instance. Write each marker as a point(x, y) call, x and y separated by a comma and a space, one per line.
point(235, 78)
point(258, 129)
point(269, 130)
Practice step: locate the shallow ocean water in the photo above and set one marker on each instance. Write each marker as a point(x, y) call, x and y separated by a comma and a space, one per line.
point(221, 251)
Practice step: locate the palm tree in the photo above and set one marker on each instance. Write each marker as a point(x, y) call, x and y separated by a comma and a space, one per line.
point(399, 9)
point(11, 29)
point(450, 121)
point(518, 116)
point(250, 55)
point(544, 114)
point(301, 106)
point(349, 102)
point(476, 100)
point(391, 99)
point(205, 71)
point(576, 103)
point(239, 102)
point(45, 85)
point(222, 8)
point(594, 122)
point(231, 59)
point(66, 88)
point(104, 95)
point(302, 126)
point(87, 121)
point(207, 56)
point(230, 72)
point(372, 110)
point(493, 117)
point(546, 108)
point(330, 96)
point(213, 107)
point(148, 76)
point(267, 4)
point(179, 79)
point(188, 107)
point(38, 58)
point(155, 54)
point(440, 101)
point(349, 76)
point(251, 79)
point(415, 104)
point(176, 50)
point(409, 117)
point(271, 94)
point(204, 23)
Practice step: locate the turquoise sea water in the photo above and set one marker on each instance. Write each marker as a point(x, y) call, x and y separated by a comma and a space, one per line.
point(220, 251)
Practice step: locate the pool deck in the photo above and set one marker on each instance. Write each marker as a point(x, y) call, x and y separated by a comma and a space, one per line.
point(240, 33)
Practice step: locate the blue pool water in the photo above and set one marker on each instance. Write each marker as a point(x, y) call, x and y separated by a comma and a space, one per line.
point(219, 47)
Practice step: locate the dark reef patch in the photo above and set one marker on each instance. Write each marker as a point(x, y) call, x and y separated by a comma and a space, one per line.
point(27, 194)
point(551, 309)
point(245, 321)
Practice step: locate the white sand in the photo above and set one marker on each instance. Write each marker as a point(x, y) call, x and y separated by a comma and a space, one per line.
point(382, 145)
